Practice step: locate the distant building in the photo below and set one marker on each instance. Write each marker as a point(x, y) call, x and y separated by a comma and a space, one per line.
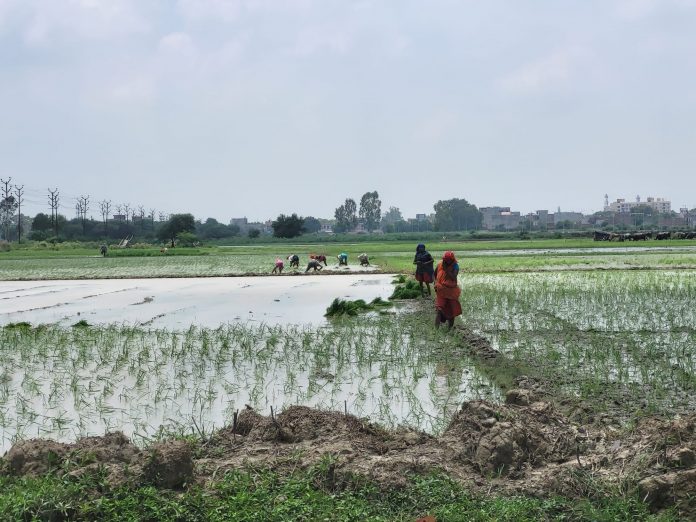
point(622, 206)
point(119, 217)
point(500, 218)
point(245, 225)
point(240, 222)
point(576, 218)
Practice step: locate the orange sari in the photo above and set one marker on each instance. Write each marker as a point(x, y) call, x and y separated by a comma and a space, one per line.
point(448, 292)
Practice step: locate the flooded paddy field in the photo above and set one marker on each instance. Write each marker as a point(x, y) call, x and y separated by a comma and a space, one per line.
point(182, 302)
point(623, 341)
point(64, 383)
point(551, 375)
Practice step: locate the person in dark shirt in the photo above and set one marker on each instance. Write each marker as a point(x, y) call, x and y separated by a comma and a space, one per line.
point(313, 263)
point(424, 268)
point(294, 260)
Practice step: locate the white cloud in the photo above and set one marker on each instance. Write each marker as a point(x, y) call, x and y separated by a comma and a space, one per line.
point(637, 9)
point(232, 10)
point(79, 19)
point(180, 43)
point(322, 38)
point(226, 10)
point(135, 89)
point(553, 71)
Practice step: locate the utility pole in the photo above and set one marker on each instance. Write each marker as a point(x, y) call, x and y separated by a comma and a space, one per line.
point(53, 201)
point(19, 193)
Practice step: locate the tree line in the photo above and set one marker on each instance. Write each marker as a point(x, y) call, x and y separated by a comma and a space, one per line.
point(122, 220)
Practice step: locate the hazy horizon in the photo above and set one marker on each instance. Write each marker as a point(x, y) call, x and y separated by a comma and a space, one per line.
point(232, 108)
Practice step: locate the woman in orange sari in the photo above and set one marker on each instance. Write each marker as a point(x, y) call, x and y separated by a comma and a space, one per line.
point(447, 304)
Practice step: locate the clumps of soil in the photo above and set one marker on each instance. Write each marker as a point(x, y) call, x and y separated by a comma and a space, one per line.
point(505, 440)
point(168, 464)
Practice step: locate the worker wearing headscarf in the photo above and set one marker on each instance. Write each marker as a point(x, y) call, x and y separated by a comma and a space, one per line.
point(424, 268)
point(447, 302)
point(279, 265)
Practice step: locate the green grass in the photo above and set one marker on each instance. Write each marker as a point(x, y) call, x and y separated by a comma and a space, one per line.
point(303, 495)
point(391, 256)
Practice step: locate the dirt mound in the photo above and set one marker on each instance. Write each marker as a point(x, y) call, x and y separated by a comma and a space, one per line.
point(299, 423)
point(35, 457)
point(169, 464)
point(504, 439)
point(525, 446)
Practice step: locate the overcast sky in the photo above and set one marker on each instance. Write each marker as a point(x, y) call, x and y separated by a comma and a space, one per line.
point(230, 108)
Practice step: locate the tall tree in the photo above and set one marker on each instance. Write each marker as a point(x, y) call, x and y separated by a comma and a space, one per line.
point(392, 215)
point(41, 223)
point(54, 202)
point(288, 226)
point(312, 225)
point(19, 194)
point(346, 217)
point(141, 215)
point(105, 209)
point(371, 210)
point(82, 208)
point(457, 214)
point(8, 207)
point(175, 225)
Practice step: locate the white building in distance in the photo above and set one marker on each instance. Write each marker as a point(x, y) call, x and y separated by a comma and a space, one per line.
point(622, 206)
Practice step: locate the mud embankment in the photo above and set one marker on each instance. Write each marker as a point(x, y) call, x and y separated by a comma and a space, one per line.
point(525, 446)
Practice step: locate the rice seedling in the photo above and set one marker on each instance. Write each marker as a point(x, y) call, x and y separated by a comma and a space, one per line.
point(60, 381)
point(625, 338)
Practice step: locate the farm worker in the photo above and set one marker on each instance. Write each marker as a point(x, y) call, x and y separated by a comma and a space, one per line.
point(103, 250)
point(294, 260)
point(424, 268)
point(313, 263)
point(364, 260)
point(278, 268)
point(342, 259)
point(447, 303)
point(319, 257)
